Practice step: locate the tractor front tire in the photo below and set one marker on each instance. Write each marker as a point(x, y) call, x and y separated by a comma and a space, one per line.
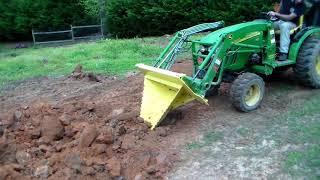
point(307, 68)
point(247, 92)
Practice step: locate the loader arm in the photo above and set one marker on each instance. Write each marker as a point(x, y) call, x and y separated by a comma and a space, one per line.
point(168, 56)
point(209, 72)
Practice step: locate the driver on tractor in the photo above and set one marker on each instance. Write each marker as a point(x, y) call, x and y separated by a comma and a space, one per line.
point(288, 18)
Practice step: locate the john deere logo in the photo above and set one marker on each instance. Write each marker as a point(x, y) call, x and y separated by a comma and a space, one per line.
point(248, 36)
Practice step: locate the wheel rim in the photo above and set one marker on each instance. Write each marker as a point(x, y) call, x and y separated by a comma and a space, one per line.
point(253, 95)
point(318, 65)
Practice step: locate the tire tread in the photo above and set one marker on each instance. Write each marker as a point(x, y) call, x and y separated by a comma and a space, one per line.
point(239, 86)
point(304, 67)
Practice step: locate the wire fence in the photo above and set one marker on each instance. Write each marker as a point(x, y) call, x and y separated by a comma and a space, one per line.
point(70, 35)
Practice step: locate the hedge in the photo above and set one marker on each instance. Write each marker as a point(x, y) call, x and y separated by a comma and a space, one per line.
point(129, 18)
point(125, 18)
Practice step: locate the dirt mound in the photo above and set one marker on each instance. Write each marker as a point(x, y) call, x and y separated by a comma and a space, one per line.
point(78, 73)
point(97, 135)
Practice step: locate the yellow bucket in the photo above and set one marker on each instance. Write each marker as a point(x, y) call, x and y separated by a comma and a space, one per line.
point(163, 91)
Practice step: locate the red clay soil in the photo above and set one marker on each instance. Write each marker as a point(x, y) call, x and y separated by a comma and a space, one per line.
point(184, 66)
point(91, 135)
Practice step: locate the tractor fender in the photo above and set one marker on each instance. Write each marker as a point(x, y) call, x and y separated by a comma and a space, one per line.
point(299, 39)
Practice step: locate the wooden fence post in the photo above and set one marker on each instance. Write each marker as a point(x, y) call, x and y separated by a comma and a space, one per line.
point(102, 29)
point(102, 12)
point(33, 38)
point(72, 34)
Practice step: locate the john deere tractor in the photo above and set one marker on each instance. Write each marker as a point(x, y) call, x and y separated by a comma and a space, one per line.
point(239, 54)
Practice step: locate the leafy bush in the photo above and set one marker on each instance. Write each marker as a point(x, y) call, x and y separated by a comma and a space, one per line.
point(128, 18)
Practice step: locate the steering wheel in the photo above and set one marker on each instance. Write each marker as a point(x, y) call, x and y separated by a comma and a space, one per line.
point(265, 15)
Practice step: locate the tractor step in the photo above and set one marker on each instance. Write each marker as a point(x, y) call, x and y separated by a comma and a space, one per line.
point(284, 63)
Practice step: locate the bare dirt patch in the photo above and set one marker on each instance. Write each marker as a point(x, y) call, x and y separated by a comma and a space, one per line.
point(74, 127)
point(77, 127)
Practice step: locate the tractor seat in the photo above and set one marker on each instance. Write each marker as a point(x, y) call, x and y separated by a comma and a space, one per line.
point(298, 28)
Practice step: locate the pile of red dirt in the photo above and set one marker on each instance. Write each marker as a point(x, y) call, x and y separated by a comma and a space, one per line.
point(79, 74)
point(97, 136)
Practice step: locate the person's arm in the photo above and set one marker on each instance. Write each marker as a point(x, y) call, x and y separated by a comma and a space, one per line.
point(283, 16)
point(286, 17)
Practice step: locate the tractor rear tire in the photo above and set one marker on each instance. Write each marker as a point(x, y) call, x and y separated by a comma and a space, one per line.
point(307, 68)
point(247, 92)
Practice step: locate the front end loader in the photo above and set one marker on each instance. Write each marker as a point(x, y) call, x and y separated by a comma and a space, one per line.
point(238, 54)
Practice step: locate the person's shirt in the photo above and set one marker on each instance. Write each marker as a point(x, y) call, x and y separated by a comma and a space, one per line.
point(289, 6)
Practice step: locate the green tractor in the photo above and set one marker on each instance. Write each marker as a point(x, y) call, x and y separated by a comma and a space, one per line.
point(239, 54)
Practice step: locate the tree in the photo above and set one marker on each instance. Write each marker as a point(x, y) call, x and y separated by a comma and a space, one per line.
point(92, 7)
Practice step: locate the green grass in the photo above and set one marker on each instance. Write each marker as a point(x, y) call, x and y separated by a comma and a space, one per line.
point(111, 57)
point(2, 48)
point(244, 132)
point(300, 126)
point(304, 163)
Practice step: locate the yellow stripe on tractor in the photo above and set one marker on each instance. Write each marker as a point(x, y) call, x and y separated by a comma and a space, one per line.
point(163, 91)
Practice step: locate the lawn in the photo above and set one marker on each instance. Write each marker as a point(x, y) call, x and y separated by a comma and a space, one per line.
point(110, 57)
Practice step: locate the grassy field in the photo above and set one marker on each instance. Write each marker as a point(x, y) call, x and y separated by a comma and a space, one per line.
point(113, 57)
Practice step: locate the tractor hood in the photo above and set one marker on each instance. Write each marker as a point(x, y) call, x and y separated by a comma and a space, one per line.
point(245, 27)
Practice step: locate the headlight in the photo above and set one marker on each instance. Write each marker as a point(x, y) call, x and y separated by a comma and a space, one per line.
point(204, 49)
